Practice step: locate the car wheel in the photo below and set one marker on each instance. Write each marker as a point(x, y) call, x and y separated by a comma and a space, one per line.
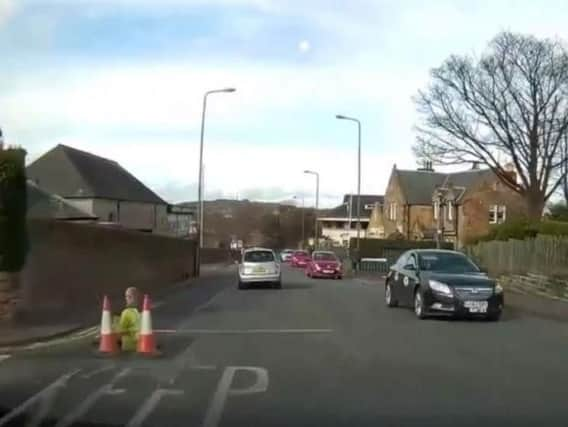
point(277, 285)
point(389, 299)
point(242, 285)
point(494, 317)
point(419, 305)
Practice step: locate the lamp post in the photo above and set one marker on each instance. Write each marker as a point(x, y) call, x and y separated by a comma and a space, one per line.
point(352, 119)
point(200, 176)
point(303, 225)
point(316, 244)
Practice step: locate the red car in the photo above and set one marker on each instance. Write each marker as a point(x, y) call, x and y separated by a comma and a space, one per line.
point(300, 259)
point(324, 264)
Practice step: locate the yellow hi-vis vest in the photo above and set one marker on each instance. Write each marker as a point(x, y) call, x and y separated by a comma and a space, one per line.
point(129, 328)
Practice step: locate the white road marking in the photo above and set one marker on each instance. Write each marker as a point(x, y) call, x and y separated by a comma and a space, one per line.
point(4, 357)
point(100, 370)
point(224, 390)
point(89, 402)
point(150, 404)
point(209, 301)
point(47, 393)
point(243, 331)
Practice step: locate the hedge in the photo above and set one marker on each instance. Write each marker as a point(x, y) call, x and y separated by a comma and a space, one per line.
point(521, 229)
point(375, 248)
point(13, 207)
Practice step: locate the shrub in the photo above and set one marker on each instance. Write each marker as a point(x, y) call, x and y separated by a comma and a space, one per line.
point(13, 207)
point(553, 228)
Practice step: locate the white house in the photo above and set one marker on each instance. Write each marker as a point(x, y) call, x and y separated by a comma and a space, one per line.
point(340, 224)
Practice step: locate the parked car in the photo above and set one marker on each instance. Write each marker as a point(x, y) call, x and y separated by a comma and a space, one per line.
point(286, 255)
point(258, 266)
point(300, 259)
point(324, 264)
point(440, 282)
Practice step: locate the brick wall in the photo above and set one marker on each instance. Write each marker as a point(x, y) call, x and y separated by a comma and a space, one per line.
point(394, 195)
point(474, 218)
point(70, 266)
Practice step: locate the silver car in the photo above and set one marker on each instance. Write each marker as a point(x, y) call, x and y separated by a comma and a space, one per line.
point(259, 265)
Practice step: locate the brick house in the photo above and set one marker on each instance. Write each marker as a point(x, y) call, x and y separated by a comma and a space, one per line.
point(460, 206)
point(101, 188)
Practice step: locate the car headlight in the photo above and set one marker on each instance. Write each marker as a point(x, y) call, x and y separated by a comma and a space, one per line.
point(498, 289)
point(317, 267)
point(440, 287)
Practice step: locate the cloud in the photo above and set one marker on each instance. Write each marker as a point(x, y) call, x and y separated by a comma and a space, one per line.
point(7, 10)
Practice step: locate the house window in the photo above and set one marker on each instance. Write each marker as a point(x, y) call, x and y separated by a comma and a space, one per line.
point(369, 207)
point(436, 209)
point(450, 211)
point(497, 214)
point(392, 211)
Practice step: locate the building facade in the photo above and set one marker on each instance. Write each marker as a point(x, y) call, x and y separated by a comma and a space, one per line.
point(424, 204)
point(101, 188)
point(340, 224)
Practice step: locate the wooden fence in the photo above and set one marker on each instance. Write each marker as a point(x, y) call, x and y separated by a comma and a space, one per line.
point(543, 255)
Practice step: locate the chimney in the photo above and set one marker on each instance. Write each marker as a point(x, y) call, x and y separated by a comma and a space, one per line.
point(510, 170)
point(426, 167)
point(474, 166)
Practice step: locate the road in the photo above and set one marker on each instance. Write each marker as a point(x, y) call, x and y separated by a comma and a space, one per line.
point(316, 353)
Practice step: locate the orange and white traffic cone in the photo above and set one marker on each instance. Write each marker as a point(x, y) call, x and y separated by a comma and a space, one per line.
point(146, 338)
point(108, 344)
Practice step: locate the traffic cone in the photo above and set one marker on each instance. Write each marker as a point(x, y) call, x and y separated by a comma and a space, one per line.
point(108, 344)
point(146, 338)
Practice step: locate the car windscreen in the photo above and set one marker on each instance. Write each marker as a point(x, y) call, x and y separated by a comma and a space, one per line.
point(324, 257)
point(446, 263)
point(258, 256)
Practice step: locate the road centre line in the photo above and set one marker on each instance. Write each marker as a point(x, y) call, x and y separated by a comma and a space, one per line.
point(242, 331)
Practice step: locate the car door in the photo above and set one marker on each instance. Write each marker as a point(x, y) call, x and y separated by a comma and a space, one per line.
point(409, 278)
point(395, 277)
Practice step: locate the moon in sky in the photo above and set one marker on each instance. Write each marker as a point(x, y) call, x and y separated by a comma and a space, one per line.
point(304, 46)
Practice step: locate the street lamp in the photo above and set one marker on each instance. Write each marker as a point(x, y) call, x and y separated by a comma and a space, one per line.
point(200, 176)
point(303, 225)
point(341, 117)
point(317, 204)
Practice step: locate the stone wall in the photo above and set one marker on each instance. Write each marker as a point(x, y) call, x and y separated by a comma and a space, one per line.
point(537, 284)
point(71, 266)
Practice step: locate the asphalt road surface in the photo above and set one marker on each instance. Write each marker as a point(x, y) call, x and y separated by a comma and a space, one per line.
point(316, 353)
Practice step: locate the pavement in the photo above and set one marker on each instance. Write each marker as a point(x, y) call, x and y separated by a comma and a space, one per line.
point(316, 353)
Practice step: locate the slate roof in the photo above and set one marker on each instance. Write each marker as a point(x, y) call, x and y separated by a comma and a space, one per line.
point(418, 186)
point(73, 173)
point(44, 205)
point(342, 211)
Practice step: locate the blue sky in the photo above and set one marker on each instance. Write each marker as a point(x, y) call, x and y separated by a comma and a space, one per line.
point(124, 79)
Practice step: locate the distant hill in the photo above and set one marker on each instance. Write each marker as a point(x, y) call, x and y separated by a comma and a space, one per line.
point(256, 223)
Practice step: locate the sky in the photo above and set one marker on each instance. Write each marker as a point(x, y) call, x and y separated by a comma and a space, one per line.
point(125, 79)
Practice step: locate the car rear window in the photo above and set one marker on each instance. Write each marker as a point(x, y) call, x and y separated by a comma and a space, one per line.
point(259, 256)
point(301, 254)
point(324, 257)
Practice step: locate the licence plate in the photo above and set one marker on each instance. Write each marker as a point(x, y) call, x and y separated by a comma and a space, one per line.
point(328, 271)
point(476, 306)
point(259, 270)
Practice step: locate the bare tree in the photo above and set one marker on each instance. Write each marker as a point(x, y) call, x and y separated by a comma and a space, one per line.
point(511, 102)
